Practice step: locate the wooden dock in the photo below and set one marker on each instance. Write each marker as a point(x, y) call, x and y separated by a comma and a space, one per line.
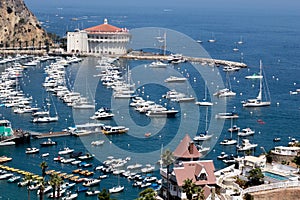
point(51, 134)
point(209, 61)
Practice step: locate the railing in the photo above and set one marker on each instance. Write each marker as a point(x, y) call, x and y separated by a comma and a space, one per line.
point(272, 186)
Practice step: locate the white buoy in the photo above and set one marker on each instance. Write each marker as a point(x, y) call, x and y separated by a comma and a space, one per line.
point(294, 83)
point(277, 103)
point(241, 94)
point(238, 81)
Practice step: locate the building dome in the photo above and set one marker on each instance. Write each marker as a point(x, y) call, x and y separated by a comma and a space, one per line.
point(105, 27)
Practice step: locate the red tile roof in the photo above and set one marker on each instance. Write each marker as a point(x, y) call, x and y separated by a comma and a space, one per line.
point(186, 149)
point(105, 28)
point(192, 169)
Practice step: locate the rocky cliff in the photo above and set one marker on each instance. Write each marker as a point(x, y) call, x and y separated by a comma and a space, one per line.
point(19, 27)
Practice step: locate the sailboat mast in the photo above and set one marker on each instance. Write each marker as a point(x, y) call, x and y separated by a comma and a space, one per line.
point(259, 97)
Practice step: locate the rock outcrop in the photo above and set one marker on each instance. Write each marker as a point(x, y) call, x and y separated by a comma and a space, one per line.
point(19, 27)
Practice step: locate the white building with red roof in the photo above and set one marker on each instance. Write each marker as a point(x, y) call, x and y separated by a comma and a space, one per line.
point(103, 39)
point(188, 166)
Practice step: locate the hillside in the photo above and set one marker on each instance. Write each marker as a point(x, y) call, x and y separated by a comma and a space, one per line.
point(19, 27)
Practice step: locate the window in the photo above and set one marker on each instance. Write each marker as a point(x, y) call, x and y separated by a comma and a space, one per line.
point(202, 177)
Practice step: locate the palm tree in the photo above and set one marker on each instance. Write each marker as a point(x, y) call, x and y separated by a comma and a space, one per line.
point(33, 41)
point(59, 181)
point(200, 194)
point(147, 194)
point(167, 159)
point(53, 183)
point(255, 176)
point(42, 188)
point(104, 195)
point(44, 166)
point(28, 177)
point(189, 188)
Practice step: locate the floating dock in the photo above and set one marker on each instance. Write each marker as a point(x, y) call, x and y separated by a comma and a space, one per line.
point(50, 134)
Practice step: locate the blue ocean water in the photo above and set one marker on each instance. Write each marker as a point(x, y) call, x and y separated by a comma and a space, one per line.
point(270, 35)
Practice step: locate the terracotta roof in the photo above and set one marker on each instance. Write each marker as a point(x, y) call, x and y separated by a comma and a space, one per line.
point(105, 27)
point(192, 169)
point(186, 149)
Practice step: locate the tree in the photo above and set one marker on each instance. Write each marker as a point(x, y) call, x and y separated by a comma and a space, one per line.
point(28, 177)
point(44, 166)
point(296, 160)
point(189, 188)
point(55, 182)
point(168, 159)
point(255, 176)
point(104, 195)
point(147, 194)
point(200, 194)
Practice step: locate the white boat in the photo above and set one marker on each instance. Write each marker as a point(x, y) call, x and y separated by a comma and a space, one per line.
point(184, 99)
point(102, 114)
point(258, 101)
point(204, 136)
point(204, 102)
point(224, 93)
point(173, 94)
point(116, 189)
point(109, 130)
point(45, 119)
point(229, 115)
point(45, 154)
point(231, 69)
point(65, 151)
point(254, 76)
point(162, 113)
point(14, 179)
point(240, 41)
point(246, 145)
point(173, 79)
point(92, 192)
point(246, 132)
point(91, 182)
point(213, 39)
point(70, 196)
point(31, 150)
point(234, 128)
point(202, 149)
point(158, 64)
point(228, 142)
point(6, 176)
point(97, 142)
point(222, 156)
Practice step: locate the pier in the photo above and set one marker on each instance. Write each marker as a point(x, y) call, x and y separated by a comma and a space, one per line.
point(209, 61)
point(50, 134)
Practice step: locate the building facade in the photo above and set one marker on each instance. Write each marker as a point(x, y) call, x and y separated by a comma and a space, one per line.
point(104, 39)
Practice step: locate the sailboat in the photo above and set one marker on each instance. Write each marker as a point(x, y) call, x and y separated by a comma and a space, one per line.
point(229, 141)
point(44, 117)
point(213, 39)
point(258, 101)
point(240, 41)
point(204, 136)
point(226, 92)
point(116, 189)
point(204, 102)
point(235, 49)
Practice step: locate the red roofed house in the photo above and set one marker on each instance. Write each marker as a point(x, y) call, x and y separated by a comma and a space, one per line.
point(103, 39)
point(188, 166)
